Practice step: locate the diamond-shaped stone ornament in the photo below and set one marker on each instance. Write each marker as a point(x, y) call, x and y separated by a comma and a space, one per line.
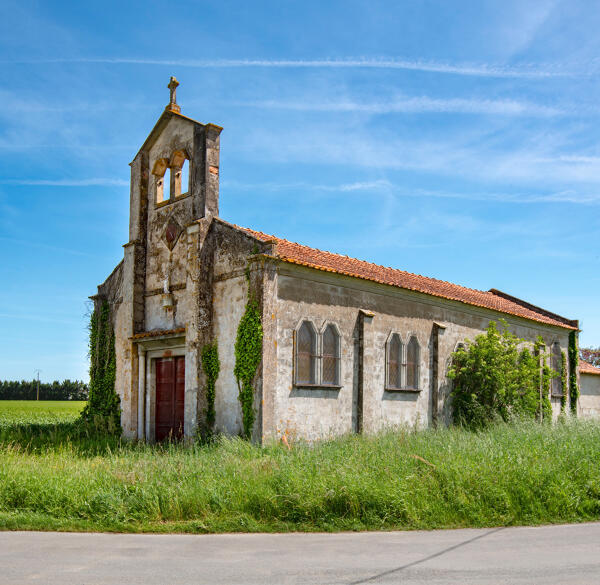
point(172, 232)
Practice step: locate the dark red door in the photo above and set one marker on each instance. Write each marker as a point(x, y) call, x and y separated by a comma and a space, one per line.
point(170, 397)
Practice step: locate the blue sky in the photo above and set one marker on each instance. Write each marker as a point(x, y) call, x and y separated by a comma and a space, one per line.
point(460, 140)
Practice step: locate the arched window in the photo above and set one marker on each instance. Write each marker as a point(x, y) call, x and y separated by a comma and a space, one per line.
point(180, 180)
point(160, 189)
point(306, 354)
point(167, 186)
point(330, 357)
point(162, 179)
point(556, 364)
point(394, 362)
point(412, 364)
point(185, 177)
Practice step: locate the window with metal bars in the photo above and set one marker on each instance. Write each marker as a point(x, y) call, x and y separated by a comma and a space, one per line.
point(306, 354)
point(412, 364)
point(394, 362)
point(330, 357)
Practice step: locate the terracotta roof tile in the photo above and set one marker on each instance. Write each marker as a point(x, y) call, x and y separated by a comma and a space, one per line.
point(329, 262)
point(585, 368)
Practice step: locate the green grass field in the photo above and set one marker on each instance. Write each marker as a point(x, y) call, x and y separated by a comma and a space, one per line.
point(508, 475)
point(14, 412)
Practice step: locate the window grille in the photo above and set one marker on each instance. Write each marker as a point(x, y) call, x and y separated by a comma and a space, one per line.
point(330, 357)
point(412, 364)
point(394, 356)
point(306, 354)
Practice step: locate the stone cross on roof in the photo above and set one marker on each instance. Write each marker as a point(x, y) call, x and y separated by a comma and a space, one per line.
point(173, 107)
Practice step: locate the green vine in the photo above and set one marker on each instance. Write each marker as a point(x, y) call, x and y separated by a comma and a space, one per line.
point(547, 375)
point(248, 353)
point(544, 379)
point(211, 367)
point(103, 409)
point(573, 364)
point(563, 382)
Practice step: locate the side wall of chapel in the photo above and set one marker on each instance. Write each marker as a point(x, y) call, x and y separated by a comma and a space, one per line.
point(589, 398)
point(316, 413)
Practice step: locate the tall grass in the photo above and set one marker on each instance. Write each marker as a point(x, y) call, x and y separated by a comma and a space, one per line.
point(507, 475)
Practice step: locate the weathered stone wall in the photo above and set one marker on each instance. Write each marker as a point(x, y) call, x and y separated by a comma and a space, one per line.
point(115, 291)
point(229, 303)
point(589, 398)
point(312, 413)
point(265, 276)
point(154, 263)
point(233, 252)
point(164, 265)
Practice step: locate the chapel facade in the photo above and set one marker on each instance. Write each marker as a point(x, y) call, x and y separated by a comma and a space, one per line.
point(348, 346)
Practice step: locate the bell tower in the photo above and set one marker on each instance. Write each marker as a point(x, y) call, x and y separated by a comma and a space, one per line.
point(177, 167)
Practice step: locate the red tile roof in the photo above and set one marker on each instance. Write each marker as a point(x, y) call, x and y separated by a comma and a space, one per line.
point(329, 262)
point(585, 368)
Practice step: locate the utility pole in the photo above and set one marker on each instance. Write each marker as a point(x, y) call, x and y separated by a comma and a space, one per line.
point(38, 384)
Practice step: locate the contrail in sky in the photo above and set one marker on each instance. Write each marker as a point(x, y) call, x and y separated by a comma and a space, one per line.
point(475, 69)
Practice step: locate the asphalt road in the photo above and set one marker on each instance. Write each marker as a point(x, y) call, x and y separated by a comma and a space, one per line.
point(551, 554)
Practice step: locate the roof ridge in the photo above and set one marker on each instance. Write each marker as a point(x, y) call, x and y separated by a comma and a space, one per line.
point(371, 263)
point(301, 254)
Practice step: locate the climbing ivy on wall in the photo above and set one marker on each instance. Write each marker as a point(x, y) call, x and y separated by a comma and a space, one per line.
point(563, 382)
point(211, 366)
point(573, 363)
point(103, 410)
point(545, 375)
point(248, 353)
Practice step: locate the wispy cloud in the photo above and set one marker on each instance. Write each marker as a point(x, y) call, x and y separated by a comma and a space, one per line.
point(565, 196)
point(531, 71)
point(275, 187)
point(101, 182)
point(544, 159)
point(420, 104)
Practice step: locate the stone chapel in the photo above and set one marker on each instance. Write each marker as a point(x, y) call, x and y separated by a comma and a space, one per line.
point(348, 346)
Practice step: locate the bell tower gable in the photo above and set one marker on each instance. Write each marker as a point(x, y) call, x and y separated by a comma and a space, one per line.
point(175, 171)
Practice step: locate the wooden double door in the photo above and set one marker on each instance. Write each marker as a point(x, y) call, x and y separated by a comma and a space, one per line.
point(170, 398)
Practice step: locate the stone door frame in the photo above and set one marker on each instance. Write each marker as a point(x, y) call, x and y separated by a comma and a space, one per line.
point(149, 349)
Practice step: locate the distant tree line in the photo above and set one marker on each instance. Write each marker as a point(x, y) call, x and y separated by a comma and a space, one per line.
point(27, 390)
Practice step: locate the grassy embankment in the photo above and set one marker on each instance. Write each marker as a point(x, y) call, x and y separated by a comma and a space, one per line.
point(509, 475)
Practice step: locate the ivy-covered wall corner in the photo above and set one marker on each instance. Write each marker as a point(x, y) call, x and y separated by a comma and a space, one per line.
point(248, 355)
point(545, 376)
point(573, 366)
point(211, 366)
point(563, 382)
point(103, 411)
